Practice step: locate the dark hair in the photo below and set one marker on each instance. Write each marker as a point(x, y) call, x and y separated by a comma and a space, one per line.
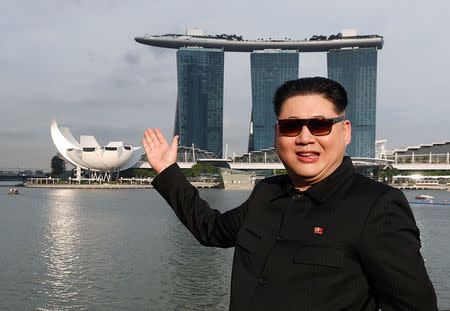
point(329, 89)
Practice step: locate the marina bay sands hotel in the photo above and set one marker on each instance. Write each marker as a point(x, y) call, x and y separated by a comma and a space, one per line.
point(351, 60)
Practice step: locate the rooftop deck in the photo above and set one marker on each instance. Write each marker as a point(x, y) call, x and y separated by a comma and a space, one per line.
point(176, 41)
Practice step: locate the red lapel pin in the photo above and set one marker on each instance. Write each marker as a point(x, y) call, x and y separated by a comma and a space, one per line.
point(318, 230)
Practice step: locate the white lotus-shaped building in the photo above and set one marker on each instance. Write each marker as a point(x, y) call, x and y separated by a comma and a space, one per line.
point(89, 155)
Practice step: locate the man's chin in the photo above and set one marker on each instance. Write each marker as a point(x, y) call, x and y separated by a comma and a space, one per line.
point(304, 176)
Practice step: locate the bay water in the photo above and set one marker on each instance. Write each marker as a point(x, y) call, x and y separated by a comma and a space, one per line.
point(68, 249)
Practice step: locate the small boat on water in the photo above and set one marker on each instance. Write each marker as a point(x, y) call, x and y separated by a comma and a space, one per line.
point(13, 191)
point(427, 199)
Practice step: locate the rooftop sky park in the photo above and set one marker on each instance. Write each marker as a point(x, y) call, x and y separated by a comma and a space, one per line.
point(234, 43)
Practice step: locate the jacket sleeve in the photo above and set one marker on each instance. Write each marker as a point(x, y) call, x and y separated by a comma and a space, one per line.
point(390, 254)
point(209, 226)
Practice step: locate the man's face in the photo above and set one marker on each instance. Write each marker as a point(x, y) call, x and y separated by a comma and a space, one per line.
point(308, 158)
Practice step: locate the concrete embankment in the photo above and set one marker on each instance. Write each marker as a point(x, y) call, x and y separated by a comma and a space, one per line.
point(419, 187)
point(111, 186)
point(88, 186)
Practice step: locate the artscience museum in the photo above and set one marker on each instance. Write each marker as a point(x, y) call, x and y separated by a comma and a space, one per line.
point(88, 155)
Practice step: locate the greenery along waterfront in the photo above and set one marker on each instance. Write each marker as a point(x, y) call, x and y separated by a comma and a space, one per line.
point(196, 171)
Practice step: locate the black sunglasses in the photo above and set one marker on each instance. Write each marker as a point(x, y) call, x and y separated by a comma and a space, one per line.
point(317, 126)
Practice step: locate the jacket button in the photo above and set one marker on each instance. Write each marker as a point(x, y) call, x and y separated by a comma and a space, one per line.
point(296, 196)
point(261, 282)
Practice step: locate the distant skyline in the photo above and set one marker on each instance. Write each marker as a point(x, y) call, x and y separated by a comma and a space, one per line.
point(77, 62)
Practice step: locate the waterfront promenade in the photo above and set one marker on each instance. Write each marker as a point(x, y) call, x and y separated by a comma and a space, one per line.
point(123, 183)
point(236, 181)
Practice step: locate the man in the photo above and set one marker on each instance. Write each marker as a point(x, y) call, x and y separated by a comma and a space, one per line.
point(319, 238)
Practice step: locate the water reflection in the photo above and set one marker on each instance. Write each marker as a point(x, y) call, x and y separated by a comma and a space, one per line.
point(193, 277)
point(60, 251)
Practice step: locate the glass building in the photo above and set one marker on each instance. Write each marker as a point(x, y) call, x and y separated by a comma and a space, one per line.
point(199, 112)
point(356, 71)
point(269, 69)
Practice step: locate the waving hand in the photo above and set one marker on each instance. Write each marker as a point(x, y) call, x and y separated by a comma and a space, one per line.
point(159, 154)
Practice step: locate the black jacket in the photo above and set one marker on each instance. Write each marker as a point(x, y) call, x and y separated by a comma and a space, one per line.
point(346, 243)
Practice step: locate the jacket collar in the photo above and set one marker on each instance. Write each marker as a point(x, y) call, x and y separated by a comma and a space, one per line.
point(323, 189)
point(319, 192)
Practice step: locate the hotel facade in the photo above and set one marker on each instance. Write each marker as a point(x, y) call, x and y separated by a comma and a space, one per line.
point(269, 69)
point(199, 112)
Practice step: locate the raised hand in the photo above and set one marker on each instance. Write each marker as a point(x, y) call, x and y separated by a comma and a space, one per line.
point(159, 154)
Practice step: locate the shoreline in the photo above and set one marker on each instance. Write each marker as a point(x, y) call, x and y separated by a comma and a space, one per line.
point(416, 187)
point(201, 185)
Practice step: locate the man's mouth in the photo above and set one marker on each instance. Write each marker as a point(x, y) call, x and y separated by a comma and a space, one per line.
point(311, 155)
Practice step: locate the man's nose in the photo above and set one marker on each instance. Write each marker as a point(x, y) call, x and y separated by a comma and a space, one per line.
point(305, 136)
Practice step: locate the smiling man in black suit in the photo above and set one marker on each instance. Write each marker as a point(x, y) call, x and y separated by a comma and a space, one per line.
point(321, 237)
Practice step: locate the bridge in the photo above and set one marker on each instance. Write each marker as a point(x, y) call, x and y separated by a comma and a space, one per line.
point(432, 162)
point(421, 162)
point(422, 166)
point(228, 164)
point(254, 165)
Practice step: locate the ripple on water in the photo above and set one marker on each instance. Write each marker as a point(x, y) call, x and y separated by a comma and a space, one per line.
point(125, 250)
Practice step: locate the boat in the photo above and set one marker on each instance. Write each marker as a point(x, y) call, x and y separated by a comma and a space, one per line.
point(427, 199)
point(13, 191)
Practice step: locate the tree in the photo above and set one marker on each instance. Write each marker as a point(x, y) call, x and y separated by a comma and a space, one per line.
point(143, 173)
point(388, 174)
point(208, 168)
point(196, 169)
point(318, 38)
point(337, 36)
point(58, 166)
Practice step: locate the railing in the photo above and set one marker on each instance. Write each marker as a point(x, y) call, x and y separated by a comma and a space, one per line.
point(431, 158)
point(47, 180)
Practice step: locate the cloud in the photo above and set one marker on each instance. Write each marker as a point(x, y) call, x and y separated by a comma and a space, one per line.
point(158, 53)
point(83, 67)
point(132, 58)
point(17, 134)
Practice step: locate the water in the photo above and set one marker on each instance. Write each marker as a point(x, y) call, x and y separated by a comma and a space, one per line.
point(64, 249)
point(434, 224)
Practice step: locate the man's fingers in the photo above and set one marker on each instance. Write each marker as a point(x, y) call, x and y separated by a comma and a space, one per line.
point(145, 145)
point(152, 140)
point(161, 137)
point(175, 142)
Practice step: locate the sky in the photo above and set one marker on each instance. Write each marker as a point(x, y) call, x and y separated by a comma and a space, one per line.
point(76, 62)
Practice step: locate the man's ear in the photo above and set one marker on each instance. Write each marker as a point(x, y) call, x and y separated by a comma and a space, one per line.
point(347, 132)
